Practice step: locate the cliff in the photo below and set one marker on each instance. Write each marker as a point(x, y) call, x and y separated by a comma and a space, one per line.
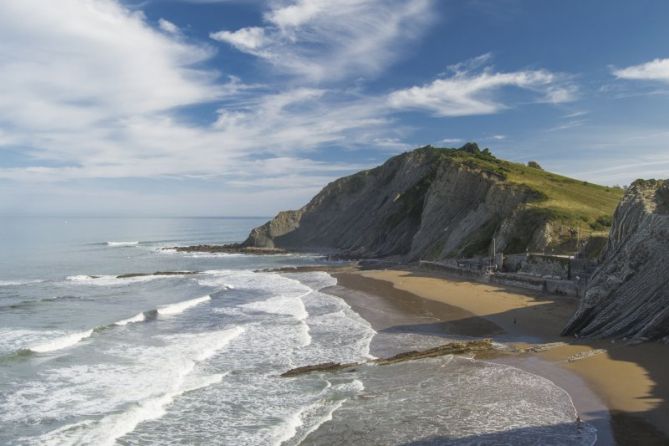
point(440, 203)
point(628, 295)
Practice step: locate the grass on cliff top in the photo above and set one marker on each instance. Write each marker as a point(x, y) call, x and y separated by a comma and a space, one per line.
point(566, 200)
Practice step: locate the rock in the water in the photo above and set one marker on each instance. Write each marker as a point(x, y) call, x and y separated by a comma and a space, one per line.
point(157, 273)
point(453, 348)
point(628, 295)
point(234, 248)
point(324, 367)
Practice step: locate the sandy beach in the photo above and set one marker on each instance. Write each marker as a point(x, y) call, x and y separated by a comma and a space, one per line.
point(622, 389)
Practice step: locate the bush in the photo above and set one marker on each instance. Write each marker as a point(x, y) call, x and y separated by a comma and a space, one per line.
point(602, 222)
point(534, 165)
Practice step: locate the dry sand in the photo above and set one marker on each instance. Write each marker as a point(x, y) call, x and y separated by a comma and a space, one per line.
point(632, 381)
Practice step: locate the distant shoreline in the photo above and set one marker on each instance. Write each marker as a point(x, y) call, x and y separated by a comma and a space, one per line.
point(627, 381)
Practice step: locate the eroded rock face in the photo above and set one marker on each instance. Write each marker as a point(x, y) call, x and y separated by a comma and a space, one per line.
point(418, 205)
point(628, 295)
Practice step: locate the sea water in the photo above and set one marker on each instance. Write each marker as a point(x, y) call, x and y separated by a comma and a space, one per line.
point(87, 358)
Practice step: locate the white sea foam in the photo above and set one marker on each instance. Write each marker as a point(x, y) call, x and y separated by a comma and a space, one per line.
point(291, 306)
point(109, 280)
point(112, 427)
point(14, 339)
point(18, 282)
point(316, 280)
point(121, 244)
point(61, 342)
point(297, 426)
point(142, 381)
point(154, 388)
point(180, 307)
point(137, 318)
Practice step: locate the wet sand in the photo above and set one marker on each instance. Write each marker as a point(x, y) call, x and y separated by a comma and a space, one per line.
point(622, 389)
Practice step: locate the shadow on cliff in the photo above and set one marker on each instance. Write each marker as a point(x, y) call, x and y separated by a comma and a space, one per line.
point(629, 428)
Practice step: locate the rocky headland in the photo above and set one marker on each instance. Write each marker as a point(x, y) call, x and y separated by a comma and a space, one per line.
point(628, 295)
point(435, 204)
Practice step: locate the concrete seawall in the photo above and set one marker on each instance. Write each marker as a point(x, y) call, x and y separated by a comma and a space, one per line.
point(551, 286)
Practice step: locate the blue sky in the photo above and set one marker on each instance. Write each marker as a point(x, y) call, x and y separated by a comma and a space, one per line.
point(224, 107)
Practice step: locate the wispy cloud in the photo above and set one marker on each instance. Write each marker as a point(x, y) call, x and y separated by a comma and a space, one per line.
point(568, 125)
point(655, 70)
point(452, 140)
point(575, 114)
point(66, 66)
point(469, 92)
point(326, 40)
point(96, 92)
point(168, 26)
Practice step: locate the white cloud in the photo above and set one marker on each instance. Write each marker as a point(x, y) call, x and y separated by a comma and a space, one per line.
point(466, 93)
point(328, 40)
point(568, 125)
point(72, 63)
point(245, 39)
point(452, 140)
point(89, 90)
point(575, 114)
point(168, 26)
point(655, 70)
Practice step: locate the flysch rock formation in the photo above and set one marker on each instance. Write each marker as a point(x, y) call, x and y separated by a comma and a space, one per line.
point(428, 204)
point(628, 295)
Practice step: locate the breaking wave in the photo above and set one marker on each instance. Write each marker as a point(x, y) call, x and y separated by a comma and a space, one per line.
point(122, 244)
point(180, 307)
point(61, 342)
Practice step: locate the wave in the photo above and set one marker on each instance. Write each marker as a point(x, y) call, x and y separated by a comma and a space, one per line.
point(125, 279)
point(122, 244)
point(18, 282)
point(297, 426)
point(109, 280)
point(131, 320)
point(31, 302)
point(71, 339)
point(180, 307)
point(108, 429)
point(285, 305)
point(61, 342)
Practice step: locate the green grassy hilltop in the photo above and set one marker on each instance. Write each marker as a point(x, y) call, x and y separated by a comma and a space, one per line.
point(567, 201)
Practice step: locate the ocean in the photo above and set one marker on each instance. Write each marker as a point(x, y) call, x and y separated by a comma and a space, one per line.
point(88, 358)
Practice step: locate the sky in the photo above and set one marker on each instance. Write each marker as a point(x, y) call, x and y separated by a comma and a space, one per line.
point(248, 107)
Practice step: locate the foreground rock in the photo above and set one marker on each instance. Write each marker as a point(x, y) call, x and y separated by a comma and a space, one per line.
point(324, 367)
point(435, 204)
point(628, 295)
point(235, 248)
point(157, 273)
point(453, 348)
